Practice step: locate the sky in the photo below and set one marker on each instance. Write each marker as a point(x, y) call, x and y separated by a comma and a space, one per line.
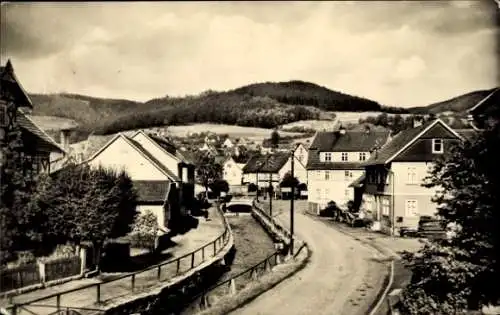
point(397, 53)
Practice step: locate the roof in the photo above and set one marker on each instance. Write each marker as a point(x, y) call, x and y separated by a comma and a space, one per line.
point(468, 134)
point(44, 140)
point(351, 141)
point(483, 101)
point(10, 81)
point(152, 190)
point(160, 165)
point(168, 147)
point(135, 145)
point(266, 163)
point(240, 159)
point(359, 182)
point(402, 141)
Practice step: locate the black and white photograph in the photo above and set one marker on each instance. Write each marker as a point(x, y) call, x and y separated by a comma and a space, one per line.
point(250, 157)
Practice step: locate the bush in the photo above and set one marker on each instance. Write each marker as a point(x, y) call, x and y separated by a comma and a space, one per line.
point(145, 231)
point(331, 210)
point(252, 187)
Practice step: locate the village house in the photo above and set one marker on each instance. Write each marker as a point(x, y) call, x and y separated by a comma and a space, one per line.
point(37, 145)
point(228, 143)
point(334, 160)
point(393, 191)
point(161, 175)
point(263, 169)
point(232, 170)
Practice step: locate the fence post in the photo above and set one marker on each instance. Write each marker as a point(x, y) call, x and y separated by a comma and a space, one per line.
point(83, 260)
point(159, 272)
point(41, 271)
point(98, 297)
point(14, 309)
point(133, 281)
point(58, 302)
point(232, 287)
point(203, 253)
point(192, 260)
point(178, 265)
point(215, 248)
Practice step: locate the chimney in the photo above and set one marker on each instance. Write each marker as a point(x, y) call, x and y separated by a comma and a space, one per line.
point(64, 139)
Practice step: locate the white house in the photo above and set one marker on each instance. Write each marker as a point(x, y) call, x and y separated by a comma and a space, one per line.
point(227, 143)
point(162, 179)
point(233, 170)
point(335, 160)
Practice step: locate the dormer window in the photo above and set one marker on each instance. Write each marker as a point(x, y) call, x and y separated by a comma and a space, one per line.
point(437, 146)
point(362, 156)
point(344, 157)
point(328, 157)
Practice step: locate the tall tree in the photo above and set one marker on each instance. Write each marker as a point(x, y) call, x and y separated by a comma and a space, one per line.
point(275, 138)
point(464, 271)
point(208, 171)
point(89, 204)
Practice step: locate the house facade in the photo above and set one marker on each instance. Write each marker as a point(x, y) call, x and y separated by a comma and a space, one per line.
point(232, 170)
point(37, 145)
point(272, 168)
point(164, 181)
point(334, 161)
point(393, 193)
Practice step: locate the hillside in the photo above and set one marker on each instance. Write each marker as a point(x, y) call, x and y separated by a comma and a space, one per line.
point(264, 105)
point(306, 93)
point(457, 104)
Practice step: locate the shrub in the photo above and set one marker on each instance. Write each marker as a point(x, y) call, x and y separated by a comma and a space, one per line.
point(252, 187)
point(145, 231)
point(330, 211)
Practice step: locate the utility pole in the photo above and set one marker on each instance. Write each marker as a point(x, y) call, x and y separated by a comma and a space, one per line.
point(271, 195)
point(292, 203)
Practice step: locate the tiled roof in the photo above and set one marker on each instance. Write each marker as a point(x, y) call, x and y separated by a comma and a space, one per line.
point(266, 163)
point(43, 140)
point(10, 81)
point(351, 141)
point(240, 159)
point(152, 190)
point(468, 134)
point(152, 158)
point(396, 144)
point(359, 182)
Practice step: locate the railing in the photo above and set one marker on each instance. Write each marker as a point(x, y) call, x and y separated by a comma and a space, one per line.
point(124, 285)
point(230, 286)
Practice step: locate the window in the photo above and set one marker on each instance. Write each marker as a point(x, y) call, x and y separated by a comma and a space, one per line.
point(385, 206)
point(327, 193)
point(327, 175)
point(362, 156)
point(301, 157)
point(328, 157)
point(3, 115)
point(344, 157)
point(318, 193)
point(411, 208)
point(318, 174)
point(347, 193)
point(412, 175)
point(348, 175)
point(437, 146)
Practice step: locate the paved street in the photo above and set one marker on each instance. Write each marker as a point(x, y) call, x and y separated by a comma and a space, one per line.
point(343, 277)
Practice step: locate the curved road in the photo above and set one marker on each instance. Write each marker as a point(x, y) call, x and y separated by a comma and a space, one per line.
point(343, 276)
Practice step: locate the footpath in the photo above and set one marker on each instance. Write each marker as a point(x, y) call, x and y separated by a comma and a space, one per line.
point(206, 232)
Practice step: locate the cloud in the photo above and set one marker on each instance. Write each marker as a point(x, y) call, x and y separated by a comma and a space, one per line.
point(397, 53)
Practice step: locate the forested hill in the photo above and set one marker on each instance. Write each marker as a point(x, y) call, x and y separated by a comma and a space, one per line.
point(307, 93)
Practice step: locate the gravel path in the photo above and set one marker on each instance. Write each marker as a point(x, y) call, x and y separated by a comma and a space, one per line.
point(343, 277)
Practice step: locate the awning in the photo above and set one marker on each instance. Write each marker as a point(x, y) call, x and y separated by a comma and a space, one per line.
point(358, 183)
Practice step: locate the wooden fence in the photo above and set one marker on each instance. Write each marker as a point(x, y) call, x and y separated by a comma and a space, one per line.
point(104, 292)
point(39, 273)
